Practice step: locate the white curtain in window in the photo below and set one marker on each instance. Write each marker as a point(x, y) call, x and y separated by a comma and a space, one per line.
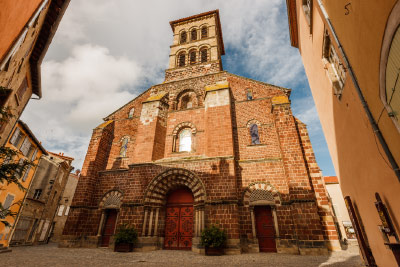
point(185, 140)
point(60, 210)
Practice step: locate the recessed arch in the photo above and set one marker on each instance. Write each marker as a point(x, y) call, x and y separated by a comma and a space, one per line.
point(261, 193)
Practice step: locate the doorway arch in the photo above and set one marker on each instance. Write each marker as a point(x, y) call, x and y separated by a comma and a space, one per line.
point(179, 219)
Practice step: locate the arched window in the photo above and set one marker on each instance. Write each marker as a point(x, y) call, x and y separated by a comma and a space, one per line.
point(124, 147)
point(185, 140)
point(131, 113)
point(186, 102)
point(193, 35)
point(182, 60)
point(204, 32)
point(255, 139)
point(203, 55)
point(192, 57)
point(183, 37)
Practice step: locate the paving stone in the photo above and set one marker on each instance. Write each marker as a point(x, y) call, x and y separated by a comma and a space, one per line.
point(51, 255)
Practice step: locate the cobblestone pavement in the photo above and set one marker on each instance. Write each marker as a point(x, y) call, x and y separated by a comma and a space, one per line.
point(51, 255)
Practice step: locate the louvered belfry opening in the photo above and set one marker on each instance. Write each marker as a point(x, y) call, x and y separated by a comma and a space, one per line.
point(182, 59)
point(203, 55)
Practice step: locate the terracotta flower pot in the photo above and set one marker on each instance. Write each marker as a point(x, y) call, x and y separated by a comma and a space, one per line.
point(123, 247)
point(214, 251)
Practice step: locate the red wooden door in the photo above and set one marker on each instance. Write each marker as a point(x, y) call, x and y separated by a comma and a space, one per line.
point(179, 220)
point(109, 227)
point(265, 228)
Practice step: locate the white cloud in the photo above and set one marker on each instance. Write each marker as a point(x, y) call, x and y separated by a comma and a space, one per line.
point(78, 92)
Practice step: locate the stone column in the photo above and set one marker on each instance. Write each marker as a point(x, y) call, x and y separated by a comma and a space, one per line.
point(101, 223)
point(156, 223)
point(150, 222)
point(196, 221)
point(275, 221)
point(144, 223)
point(253, 222)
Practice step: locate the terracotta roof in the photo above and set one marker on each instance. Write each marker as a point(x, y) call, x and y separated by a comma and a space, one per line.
point(32, 136)
point(216, 12)
point(292, 17)
point(331, 179)
point(46, 34)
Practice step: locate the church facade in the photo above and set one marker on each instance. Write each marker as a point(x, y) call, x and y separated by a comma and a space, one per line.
point(204, 147)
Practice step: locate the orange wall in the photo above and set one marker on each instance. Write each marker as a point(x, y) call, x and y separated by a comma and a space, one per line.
point(352, 144)
point(14, 14)
point(14, 190)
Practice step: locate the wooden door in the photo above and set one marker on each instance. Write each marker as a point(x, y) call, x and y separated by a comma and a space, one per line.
point(109, 227)
point(179, 220)
point(265, 228)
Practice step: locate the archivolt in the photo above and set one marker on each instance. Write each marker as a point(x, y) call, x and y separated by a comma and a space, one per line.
point(261, 193)
point(158, 188)
point(111, 200)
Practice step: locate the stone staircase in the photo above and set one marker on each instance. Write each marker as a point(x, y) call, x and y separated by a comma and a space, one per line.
point(4, 249)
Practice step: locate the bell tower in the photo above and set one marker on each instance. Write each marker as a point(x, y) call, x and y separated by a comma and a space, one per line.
point(197, 46)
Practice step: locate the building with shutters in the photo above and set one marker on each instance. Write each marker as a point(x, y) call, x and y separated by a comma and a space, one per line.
point(29, 148)
point(351, 51)
point(204, 147)
point(27, 28)
point(36, 219)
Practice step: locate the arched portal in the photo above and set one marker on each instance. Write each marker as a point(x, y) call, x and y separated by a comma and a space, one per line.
point(179, 219)
point(160, 194)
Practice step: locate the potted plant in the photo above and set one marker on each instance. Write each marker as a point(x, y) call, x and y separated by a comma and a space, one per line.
point(213, 239)
point(125, 238)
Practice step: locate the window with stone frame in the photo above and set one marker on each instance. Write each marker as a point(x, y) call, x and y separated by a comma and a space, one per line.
point(193, 35)
point(334, 66)
point(124, 147)
point(182, 59)
point(185, 140)
point(130, 115)
point(255, 138)
point(192, 57)
point(37, 194)
point(22, 89)
point(307, 7)
point(8, 201)
point(183, 37)
point(186, 102)
point(204, 32)
point(203, 55)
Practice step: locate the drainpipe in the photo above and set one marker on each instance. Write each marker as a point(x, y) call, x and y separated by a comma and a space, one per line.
point(371, 119)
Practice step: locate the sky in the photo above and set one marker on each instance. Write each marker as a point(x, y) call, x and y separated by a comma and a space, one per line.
point(105, 53)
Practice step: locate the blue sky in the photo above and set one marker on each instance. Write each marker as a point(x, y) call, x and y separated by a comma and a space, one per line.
point(107, 52)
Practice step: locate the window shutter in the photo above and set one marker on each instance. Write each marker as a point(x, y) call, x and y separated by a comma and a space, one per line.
point(66, 211)
point(60, 210)
point(7, 203)
point(26, 174)
point(25, 146)
point(34, 155)
point(15, 136)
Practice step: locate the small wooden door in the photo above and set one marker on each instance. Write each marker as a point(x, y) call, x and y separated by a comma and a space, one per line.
point(179, 220)
point(109, 227)
point(265, 228)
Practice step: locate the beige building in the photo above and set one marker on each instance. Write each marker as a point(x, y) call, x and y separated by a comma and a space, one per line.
point(64, 206)
point(351, 51)
point(35, 220)
point(343, 222)
point(27, 28)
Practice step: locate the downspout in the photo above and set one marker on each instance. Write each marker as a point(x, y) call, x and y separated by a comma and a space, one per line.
point(371, 119)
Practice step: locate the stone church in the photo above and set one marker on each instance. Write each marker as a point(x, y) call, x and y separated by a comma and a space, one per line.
point(204, 147)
